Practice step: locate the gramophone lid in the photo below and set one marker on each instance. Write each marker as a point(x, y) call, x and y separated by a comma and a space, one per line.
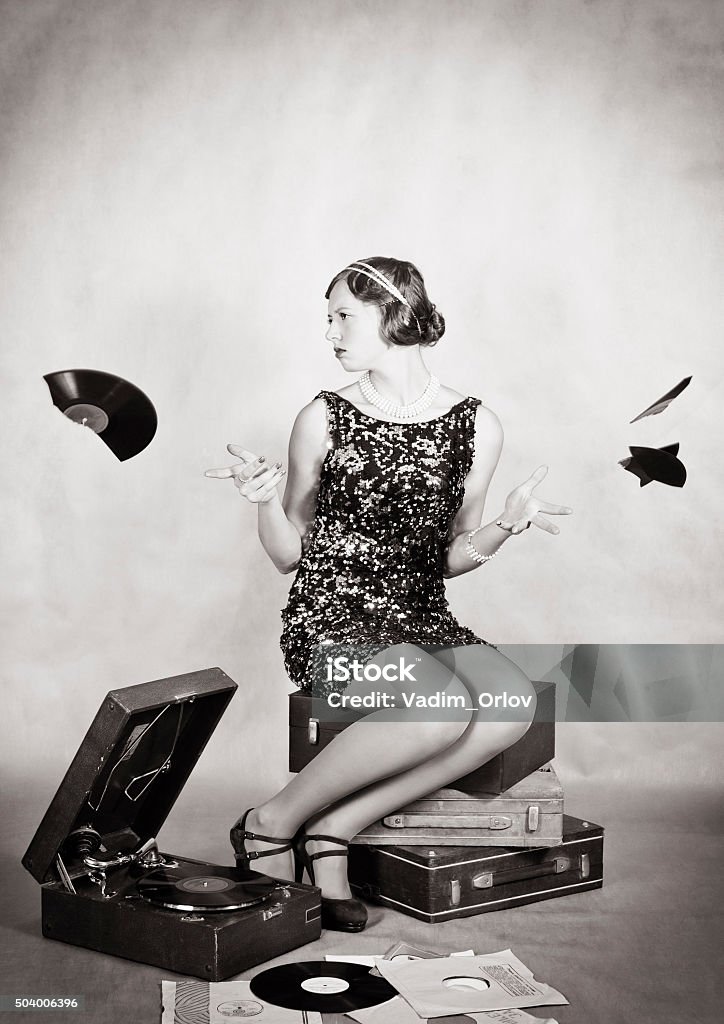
point(131, 766)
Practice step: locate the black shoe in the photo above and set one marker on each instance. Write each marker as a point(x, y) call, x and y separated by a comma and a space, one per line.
point(238, 835)
point(347, 915)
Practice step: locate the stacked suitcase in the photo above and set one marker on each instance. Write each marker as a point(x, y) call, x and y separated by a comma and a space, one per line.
point(495, 838)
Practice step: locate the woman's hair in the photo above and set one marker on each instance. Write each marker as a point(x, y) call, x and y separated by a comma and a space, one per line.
point(418, 323)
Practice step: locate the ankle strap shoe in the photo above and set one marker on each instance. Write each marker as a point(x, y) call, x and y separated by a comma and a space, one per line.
point(238, 836)
point(344, 915)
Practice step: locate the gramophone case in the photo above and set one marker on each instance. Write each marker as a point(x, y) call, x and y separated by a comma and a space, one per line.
point(128, 772)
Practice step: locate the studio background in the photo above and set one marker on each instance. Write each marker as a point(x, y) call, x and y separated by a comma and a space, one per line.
point(182, 179)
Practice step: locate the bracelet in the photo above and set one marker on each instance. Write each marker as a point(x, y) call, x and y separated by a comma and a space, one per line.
point(473, 552)
point(499, 522)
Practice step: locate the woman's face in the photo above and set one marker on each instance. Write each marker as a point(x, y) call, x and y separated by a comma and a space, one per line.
point(354, 330)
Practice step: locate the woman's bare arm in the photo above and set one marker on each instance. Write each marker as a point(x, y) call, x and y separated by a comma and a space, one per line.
point(522, 507)
point(284, 525)
point(488, 445)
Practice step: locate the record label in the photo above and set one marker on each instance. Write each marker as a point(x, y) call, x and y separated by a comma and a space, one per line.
point(240, 1008)
point(205, 883)
point(88, 416)
point(325, 986)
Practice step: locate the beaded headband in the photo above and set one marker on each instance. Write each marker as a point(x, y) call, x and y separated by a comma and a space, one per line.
point(379, 278)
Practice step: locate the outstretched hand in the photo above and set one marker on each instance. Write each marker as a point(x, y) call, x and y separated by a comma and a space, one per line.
point(522, 508)
point(256, 481)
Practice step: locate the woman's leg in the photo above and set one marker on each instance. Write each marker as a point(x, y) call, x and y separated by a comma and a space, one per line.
point(484, 670)
point(382, 744)
point(377, 765)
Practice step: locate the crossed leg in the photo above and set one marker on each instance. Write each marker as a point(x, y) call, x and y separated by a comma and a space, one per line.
point(388, 759)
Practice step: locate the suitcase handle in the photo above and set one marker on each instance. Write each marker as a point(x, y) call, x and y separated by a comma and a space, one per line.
point(480, 821)
point(549, 867)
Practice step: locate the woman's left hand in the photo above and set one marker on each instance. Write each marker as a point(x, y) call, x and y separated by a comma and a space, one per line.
point(522, 508)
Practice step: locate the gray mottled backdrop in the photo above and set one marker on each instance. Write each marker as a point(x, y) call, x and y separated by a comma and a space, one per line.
point(180, 180)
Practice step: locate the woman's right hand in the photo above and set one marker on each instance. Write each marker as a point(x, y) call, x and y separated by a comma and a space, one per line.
point(256, 481)
point(522, 509)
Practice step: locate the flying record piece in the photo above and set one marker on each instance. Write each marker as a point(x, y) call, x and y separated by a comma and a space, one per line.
point(322, 986)
point(662, 403)
point(212, 888)
point(120, 413)
point(656, 464)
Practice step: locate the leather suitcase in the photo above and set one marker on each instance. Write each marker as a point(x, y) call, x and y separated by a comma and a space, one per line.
point(309, 733)
point(128, 772)
point(530, 813)
point(446, 882)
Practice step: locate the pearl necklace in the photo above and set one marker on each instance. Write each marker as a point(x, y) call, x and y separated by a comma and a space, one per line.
point(399, 412)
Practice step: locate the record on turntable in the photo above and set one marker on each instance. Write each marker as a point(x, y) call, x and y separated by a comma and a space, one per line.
point(119, 412)
point(215, 888)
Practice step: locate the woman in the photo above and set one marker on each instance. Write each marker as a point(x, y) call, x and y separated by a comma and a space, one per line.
point(384, 497)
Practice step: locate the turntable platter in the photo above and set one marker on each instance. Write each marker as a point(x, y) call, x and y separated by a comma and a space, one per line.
point(208, 888)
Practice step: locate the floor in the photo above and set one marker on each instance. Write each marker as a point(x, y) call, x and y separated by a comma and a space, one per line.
point(646, 948)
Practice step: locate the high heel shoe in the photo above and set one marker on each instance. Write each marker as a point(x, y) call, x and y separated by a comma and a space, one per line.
point(238, 836)
point(344, 915)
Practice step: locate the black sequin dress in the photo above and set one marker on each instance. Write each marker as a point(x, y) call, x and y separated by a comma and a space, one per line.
point(371, 574)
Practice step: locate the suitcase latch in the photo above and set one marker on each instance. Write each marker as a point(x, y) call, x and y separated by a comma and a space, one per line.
point(273, 911)
point(533, 815)
point(483, 881)
point(313, 731)
point(454, 893)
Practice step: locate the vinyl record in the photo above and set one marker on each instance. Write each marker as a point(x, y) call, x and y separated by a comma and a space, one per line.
point(119, 412)
point(656, 464)
point(322, 986)
point(205, 887)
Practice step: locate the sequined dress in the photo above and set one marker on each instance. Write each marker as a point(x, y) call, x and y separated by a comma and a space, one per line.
point(371, 573)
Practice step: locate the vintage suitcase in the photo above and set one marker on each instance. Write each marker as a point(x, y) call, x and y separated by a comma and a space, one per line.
point(308, 734)
point(530, 813)
point(96, 843)
point(446, 882)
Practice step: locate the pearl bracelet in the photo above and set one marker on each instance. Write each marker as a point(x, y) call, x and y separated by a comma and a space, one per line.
point(473, 552)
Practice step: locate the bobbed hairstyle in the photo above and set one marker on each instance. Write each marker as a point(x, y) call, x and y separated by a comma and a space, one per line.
point(417, 324)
